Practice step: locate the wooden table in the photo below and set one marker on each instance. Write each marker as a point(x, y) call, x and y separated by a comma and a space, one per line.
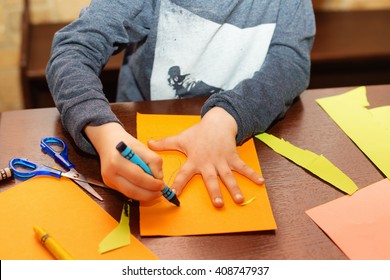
point(291, 189)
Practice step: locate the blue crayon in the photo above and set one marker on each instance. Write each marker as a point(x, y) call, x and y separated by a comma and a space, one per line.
point(129, 154)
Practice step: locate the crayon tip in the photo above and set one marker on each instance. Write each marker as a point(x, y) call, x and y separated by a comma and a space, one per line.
point(175, 201)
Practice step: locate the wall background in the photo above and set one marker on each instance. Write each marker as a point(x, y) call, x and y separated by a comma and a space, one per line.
point(67, 10)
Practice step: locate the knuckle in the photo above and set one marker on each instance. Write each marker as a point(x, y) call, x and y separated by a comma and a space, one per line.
point(210, 176)
point(227, 173)
point(157, 160)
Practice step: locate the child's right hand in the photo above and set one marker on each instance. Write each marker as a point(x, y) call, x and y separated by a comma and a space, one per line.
point(118, 172)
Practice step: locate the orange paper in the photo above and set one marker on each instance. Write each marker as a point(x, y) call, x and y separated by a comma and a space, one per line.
point(67, 213)
point(196, 214)
point(359, 224)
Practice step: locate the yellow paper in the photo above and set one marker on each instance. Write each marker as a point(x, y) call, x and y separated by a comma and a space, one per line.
point(64, 210)
point(120, 236)
point(196, 214)
point(368, 128)
point(317, 164)
point(381, 115)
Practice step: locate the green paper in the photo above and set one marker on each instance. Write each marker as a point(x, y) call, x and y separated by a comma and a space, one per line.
point(120, 236)
point(316, 164)
point(369, 129)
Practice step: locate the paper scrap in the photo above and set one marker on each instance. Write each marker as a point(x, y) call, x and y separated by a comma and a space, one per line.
point(369, 129)
point(248, 201)
point(196, 214)
point(120, 235)
point(358, 224)
point(316, 164)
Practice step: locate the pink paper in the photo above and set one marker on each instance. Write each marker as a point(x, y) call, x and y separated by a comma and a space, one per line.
point(359, 224)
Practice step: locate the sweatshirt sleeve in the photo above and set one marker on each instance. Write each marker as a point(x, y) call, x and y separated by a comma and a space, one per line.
point(257, 102)
point(79, 53)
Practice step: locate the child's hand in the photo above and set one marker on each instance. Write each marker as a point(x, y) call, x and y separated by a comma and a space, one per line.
point(118, 172)
point(211, 150)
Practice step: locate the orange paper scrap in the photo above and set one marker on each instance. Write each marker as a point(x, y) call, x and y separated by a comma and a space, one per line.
point(64, 210)
point(196, 214)
point(359, 224)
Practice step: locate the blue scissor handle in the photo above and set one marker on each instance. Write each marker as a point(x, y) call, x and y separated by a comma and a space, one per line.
point(60, 156)
point(24, 169)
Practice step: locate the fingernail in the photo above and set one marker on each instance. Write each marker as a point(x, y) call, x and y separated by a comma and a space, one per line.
point(239, 198)
point(218, 201)
point(261, 180)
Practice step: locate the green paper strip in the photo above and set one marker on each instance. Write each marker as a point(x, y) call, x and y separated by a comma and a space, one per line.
point(120, 236)
point(369, 129)
point(316, 164)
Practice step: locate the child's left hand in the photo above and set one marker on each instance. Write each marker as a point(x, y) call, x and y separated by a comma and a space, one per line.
point(211, 151)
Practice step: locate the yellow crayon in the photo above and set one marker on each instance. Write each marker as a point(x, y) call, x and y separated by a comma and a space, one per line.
point(52, 245)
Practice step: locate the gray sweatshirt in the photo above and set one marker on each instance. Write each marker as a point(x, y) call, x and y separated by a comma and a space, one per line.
point(250, 57)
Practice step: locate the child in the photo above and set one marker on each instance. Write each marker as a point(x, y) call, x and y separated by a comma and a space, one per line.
point(252, 58)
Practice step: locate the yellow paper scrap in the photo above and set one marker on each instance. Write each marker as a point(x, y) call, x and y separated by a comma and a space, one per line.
point(248, 201)
point(316, 164)
point(120, 236)
point(369, 129)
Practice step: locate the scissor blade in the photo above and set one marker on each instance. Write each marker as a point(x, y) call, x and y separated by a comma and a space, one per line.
point(92, 181)
point(88, 188)
point(74, 175)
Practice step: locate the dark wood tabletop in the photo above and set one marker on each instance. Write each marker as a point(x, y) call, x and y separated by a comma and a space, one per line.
point(291, 189)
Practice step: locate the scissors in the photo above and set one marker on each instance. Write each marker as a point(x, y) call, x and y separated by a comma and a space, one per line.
point(24, 169)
